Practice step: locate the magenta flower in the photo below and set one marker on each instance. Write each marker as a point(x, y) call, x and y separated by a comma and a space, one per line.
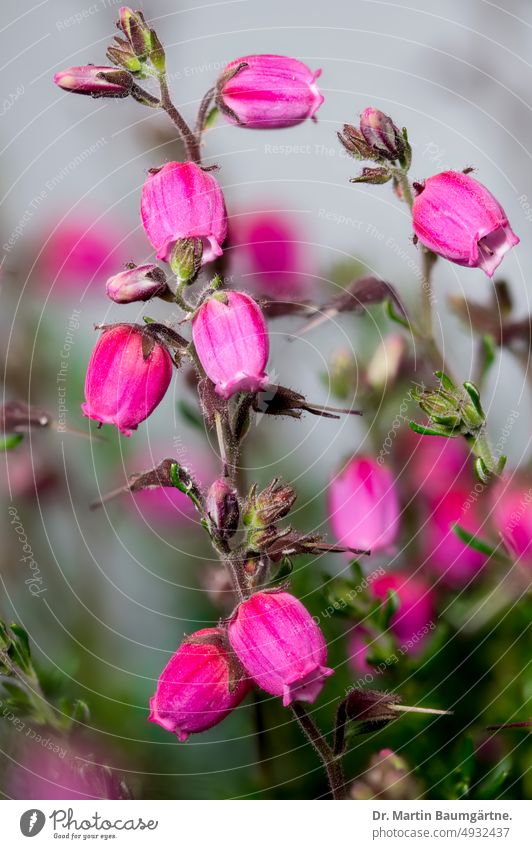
point(78, 252)
point(124, 381)
point(231, 339)
point(139, 283)
point(433, 464)
point(280, 646)
point(201, 684)
point(512, 515)
point(268, 92)
point(446, 555)
point(363, 505)
point(272, 253)
point(458, 218)
point(412, 622)
point(182, 201)
point(96, 80)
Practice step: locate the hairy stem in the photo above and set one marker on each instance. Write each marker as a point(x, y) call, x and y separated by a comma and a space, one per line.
point(189, 139)
point(331, 763)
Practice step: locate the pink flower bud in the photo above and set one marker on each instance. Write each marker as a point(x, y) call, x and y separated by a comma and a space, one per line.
point(512, 514)
point(139, 283)
point(268, 92)
point(280, 646)
point(363, 505)
point(413, 621)
point(200, 685)
point(381, 134)
point(182, 201)
point(96, 80)
point(222, 508)
point(458, 218)
point(231, 339)
point(127, 377)
point(446, 554)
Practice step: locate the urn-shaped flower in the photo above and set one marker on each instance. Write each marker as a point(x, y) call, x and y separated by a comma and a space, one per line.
point(280, 646)
point(182, 201)
point(127, 377)
point(231, 339)
point(456, 217)
point(201, 684)
point(267, 92)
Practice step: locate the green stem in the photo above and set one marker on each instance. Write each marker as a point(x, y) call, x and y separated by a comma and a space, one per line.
point(331, 764)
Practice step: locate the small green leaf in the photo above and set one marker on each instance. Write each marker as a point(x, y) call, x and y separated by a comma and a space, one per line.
point(474, 394)
point(20, 648)
point(445, 381)
point(424, 430)
point(7, 443)
point(393, 315)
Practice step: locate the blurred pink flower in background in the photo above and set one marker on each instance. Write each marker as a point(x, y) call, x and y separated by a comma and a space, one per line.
point(511, 500)
point(272, 254)
point(80, 253)
point(446, 555)
point(411, 624)
point(416, 608)
point(364, 505)
point(46, 767)
point(432, 464)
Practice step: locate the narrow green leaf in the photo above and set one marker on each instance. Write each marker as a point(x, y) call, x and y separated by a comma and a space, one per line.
point(473, 541)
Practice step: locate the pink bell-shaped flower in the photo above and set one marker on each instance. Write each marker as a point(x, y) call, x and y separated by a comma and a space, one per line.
point(231, 339)
point(364, 505)
point(127, 378)
point(458, 218)
point(280, 646)
point(182, 201)
point(201, 684)
point(268, 92)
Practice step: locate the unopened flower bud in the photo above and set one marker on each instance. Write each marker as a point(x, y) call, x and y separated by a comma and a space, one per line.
point(222, 508)
point(355, 143)
point(270, 505)
point(122, 56)
point(136, 30)
point(381, 134)
point(185, 259)
point(138, 283)
point(95, 80)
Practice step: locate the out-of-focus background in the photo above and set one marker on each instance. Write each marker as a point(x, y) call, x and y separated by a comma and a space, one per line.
point(122, 584)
